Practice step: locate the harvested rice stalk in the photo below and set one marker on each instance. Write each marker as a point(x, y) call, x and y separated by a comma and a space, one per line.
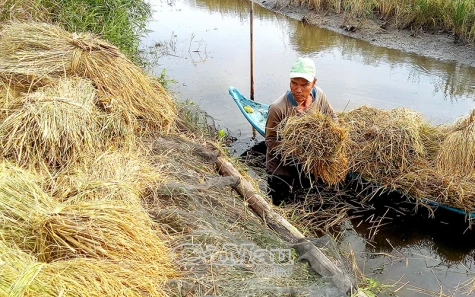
point(112, 175)
point(457, 151)
point(22, 202)
point(425, 182)
point(39, 49)
point(52, 231)
point(315, 141)
point(22, 275)
point(17, 270)
point(55, 125)
point(386, 143)
point(100, 229)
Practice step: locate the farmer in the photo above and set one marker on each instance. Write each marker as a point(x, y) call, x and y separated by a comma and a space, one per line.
point(303, 96)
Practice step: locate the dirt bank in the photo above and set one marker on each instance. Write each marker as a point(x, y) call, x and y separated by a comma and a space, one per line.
point(439, 46)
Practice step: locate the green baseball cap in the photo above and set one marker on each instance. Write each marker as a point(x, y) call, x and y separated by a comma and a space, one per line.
point(305, 68)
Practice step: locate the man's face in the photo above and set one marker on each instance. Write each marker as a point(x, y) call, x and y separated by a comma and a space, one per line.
point(301, 88)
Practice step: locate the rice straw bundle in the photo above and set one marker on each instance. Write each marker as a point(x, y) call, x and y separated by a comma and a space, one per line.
point(54, 125)
point(22, 275)
point(113, 175)
point(17, 270)
point(386, 143)
point(426, 182)
point(457, 151)
point(23, 10)
point(100, 229)
point(22, 202)
point(359, 120)
point(316, 142)
point(40, 49)
point(9, 96)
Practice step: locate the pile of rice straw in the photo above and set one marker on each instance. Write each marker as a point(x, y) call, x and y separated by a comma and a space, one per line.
point(111, 175)
point(393, 149)
point(316, 142)
point(386, 143)
point(39, 50)
point(113, 230)
point(21, 274)
point(55, 124)
point(399, 150)
point(457, 152)
point(74, 175)
point(426, 182)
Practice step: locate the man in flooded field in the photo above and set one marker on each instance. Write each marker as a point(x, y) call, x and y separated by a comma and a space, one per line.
point(303, 96)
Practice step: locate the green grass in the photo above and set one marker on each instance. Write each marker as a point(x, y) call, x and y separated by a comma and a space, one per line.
point(122, 22)
point(454, 16)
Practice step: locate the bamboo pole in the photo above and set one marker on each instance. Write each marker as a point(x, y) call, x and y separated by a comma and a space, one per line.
point(252, 49)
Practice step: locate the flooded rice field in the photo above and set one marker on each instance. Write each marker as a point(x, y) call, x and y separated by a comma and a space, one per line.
point(203, 45)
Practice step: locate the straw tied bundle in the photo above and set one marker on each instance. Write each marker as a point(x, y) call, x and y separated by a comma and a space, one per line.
point(39, 50)
point(55, 124)
point(385, 144)
point(113, 175)
point(21, 274)
point(316, 142)
point(457, 152)
point(398, 149)
point(109, 231)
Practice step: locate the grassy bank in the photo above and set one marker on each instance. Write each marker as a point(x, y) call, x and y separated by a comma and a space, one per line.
point(121, 22)
point(454, 16)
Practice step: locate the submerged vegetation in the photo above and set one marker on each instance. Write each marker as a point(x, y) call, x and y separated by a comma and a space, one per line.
point(455, 16)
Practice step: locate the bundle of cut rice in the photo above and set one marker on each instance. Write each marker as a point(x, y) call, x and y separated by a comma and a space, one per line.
point(425, 182)
point(55, 124)
point(99, 229)
point(457, 151)
point(111, 229)
point(22, 274)
point(112, 175)
point(386, 143)
point(22, 202)
point(41, 50)
point(315, 141)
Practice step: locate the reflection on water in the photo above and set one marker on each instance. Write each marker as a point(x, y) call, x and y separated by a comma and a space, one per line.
point(452, 80)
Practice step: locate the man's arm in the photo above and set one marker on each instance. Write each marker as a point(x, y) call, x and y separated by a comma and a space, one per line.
point(274, 117)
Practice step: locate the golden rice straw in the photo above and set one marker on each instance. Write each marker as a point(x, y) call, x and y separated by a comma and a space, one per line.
point(112, 175)
point(100, 229)
point(457, 151)
point(425, 182)
point(316, 142)
point(41, 49)
point(22, 203)
point(54, 125)
point(386, 143)
point(22, 275)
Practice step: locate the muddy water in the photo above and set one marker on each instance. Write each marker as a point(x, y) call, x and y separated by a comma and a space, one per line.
point(204, 47)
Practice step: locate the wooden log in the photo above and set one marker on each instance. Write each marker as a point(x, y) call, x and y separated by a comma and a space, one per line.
point(306, 249)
